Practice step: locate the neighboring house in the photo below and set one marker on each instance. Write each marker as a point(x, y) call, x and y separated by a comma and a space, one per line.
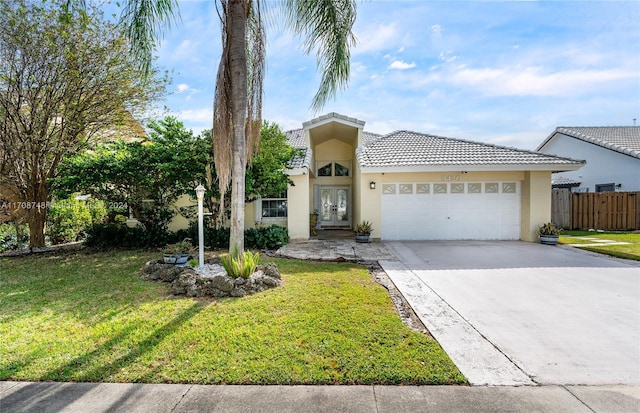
point(411, 186)
point(612, 155)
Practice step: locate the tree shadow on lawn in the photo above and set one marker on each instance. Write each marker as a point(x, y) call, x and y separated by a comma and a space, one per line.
point(92, 287)
point(88, 367)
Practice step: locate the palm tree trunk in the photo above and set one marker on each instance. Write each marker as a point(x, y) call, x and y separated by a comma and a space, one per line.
point(237, 35)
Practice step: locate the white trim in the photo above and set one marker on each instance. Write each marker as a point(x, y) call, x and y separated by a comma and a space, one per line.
point(259, 219)
point(333, 117)
point(474, 168)
point(297, 171)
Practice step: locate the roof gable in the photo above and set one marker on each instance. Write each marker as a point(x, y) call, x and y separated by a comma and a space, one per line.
point(333, 117)
point(622, 139)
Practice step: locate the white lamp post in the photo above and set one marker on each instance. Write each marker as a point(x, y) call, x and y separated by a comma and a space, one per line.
point(200, 194)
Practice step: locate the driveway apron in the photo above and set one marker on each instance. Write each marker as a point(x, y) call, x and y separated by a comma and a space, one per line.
point(518, 313)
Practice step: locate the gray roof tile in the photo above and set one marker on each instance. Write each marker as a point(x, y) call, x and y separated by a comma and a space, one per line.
point(301, 159)
point(405, 148)
point(623, 139)
point(296, 138)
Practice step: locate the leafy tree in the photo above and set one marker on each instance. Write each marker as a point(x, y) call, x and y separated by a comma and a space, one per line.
point(170, 163)
point(65, 75)
point(266, 175)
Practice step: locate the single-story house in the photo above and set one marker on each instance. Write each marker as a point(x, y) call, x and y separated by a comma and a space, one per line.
point(410, 185)
point(612, 154)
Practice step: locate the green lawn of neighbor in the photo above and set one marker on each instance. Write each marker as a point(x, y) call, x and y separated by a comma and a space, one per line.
point(630, 251)
point(88, 317)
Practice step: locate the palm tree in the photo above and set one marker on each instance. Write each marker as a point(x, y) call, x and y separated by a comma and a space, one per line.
point(325, 26)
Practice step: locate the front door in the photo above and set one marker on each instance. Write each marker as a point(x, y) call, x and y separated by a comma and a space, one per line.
point(335, 206)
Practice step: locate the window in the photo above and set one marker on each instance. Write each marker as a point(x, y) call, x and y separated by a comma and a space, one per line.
point(406, 188)
point(457, 188)
point(273, 207)
point(325, 170)
point(342, 168)
point(508, 188)
point(606, 187)
point(439, 188)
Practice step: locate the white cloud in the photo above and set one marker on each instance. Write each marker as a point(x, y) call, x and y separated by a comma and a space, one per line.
point(182, 87)
point(196, 115)
point(372, 39)
point(534, 81)
point(401, 65)
point(447, 56)
point(436, 28)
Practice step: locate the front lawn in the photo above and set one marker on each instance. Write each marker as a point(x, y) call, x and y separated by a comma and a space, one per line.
point(89, 317)
point(629, 251)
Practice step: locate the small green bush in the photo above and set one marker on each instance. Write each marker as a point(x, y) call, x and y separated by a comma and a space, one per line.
point(242, 266)
point(69, 217)
point(9, 239)
point(113, 235)
point(213, 237)
point(266, 238)
point(119, 235)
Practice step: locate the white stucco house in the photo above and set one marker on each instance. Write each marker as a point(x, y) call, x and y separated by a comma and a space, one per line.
point(612, 155)
point(410, 185)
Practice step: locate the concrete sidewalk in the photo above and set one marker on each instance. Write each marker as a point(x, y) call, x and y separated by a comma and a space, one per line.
point(176, 398)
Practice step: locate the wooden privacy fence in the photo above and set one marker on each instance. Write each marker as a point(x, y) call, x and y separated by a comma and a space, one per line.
point(596, 210)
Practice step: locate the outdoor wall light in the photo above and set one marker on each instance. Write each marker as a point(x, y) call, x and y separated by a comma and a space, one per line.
point(372, 184)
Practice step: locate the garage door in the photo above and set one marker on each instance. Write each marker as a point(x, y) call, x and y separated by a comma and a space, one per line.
point(451, 211)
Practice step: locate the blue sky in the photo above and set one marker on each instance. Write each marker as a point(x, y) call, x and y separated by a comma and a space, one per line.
point(506, 73)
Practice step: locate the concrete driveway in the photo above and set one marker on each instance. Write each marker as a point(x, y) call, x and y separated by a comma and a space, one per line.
point(518, 313)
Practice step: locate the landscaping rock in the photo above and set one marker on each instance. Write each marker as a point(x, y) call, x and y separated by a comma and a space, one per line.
point(158, 270)
point(211, 280)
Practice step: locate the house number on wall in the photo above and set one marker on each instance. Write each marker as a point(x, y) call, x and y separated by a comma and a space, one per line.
point(450, 178)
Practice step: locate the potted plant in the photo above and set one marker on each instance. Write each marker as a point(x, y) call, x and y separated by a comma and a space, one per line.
point(363, 231)
point(178, 253)
point(549, 233)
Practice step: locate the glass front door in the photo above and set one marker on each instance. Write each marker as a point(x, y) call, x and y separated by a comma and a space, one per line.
point(335, 206)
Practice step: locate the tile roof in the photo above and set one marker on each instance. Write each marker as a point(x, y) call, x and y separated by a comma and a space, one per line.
point(405, 148)
point(564, 181)
point(301, 159)
point(296, 138)
point(623, 139)
point(413, 149)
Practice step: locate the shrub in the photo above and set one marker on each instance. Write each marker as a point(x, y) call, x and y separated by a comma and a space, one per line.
point(271, 237)
point(69, 217)
point(106, 235)
point(213, 237)
point(242, 266)
point(113, 235)
point(10, 239)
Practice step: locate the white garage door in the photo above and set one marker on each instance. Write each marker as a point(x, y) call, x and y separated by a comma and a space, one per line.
point(451, 211)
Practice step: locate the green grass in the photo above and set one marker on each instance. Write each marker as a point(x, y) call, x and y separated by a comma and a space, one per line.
point(89, 317)
point(630, 251)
